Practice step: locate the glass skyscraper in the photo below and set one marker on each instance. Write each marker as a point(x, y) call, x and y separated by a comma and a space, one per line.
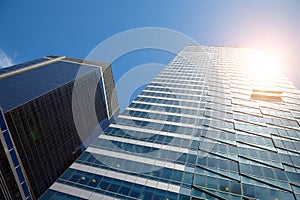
point(211, 125)
point(39, 137)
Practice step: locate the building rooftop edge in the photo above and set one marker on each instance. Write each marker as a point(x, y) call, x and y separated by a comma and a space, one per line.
point(81, 61)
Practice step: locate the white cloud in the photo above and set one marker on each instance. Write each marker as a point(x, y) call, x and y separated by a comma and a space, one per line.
point(5, 60)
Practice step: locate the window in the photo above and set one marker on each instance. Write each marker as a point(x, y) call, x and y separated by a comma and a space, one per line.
point(266, 95)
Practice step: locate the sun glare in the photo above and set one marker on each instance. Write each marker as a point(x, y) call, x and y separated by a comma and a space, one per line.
point(264, 66)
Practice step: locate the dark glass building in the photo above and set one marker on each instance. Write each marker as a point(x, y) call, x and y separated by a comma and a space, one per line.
point(211, 125)
point(39, 135)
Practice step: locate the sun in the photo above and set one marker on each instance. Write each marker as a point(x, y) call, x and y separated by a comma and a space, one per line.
point(264, 67)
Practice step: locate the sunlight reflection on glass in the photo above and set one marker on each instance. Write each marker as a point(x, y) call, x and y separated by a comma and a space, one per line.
point(265, 69)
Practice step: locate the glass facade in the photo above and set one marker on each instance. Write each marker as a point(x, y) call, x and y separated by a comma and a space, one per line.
point(197, 132)
point(37, 109)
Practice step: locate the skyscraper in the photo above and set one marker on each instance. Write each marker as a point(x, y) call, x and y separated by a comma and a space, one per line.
point(39, 137)
point(211, 125)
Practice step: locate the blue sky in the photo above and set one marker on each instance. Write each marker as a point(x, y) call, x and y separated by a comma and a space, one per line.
point(33, 29)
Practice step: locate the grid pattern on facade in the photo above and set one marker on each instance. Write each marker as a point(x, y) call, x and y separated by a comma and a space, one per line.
point(37, 107)
point(196, 133)
point(21, 88)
